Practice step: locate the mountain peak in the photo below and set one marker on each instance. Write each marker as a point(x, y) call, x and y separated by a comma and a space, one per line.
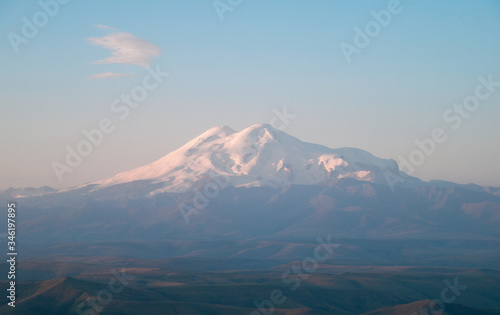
point(259, 155)
point(263, 126)
point(219, 131)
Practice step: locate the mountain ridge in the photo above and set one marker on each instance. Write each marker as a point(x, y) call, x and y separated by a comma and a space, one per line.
point(259, 155)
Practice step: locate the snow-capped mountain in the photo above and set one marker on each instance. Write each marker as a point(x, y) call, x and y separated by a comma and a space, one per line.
point(274, 186)
point(257, 156)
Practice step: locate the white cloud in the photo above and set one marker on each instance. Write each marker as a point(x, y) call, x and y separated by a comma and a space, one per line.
point(111, 75)
point(126, 48)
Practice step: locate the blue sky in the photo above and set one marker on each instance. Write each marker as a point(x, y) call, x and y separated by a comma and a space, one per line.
point(261, 57)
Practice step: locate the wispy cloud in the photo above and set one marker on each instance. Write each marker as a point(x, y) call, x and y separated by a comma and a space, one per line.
point(106, 75)
point(126, 48)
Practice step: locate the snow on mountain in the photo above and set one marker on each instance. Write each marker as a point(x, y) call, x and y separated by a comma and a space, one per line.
point(259, 155)
point(28, 192)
